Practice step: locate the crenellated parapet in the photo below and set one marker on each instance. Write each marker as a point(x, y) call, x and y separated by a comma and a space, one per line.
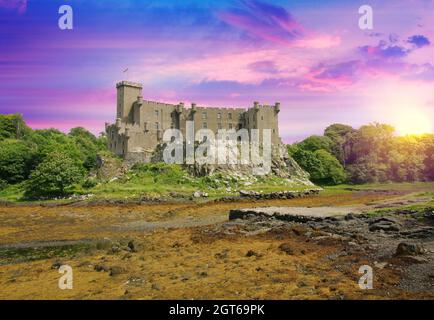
point(277, 107)
point(140, 123)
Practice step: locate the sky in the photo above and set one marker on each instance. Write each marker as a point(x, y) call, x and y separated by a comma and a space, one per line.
point(311, 56)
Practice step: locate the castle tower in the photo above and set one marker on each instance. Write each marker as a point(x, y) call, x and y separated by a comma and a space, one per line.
point(127, 94)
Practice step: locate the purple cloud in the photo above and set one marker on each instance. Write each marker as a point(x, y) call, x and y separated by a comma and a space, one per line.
point(266, 21)
point(384, 51)
point(419, 41)
point(342, 72)
point(264, 67)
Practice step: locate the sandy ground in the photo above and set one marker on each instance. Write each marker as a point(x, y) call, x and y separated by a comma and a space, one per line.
point(191, 251)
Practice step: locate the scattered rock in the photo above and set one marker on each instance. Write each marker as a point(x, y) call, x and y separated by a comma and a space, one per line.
point(278, 194)
point(185, 277)
point(115, 249)
point(419, 233)
point(115, 270)
point(135, 280)
point(413, 249)
point(285, 247)
point(252, 253)
point(383, 223)
point(380, 265)
point(57, 265)
point(101, 267)
point(222, 255)
point(200, 194)
point(349, 216)
point(132, 246)
point(413, 259)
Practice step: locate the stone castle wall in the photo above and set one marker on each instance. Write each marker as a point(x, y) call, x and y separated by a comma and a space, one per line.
point(140, 124)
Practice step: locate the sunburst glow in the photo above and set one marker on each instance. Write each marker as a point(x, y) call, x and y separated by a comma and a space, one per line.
point(413, 123)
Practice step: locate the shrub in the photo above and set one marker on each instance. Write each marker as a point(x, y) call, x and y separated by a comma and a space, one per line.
point(53, 176)
point(332, 172)
point(322, 166)
point(89, 183)
point(314, 143)
point(3, 184)
point(15, 160)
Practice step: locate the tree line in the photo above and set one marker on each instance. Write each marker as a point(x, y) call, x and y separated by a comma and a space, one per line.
point(46, 162)
point(373, 153)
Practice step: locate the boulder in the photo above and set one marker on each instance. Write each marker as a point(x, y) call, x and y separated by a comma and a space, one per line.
point(412, 249)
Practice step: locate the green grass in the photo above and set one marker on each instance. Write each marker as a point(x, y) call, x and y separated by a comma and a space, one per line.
point(161, 180)
point(167, 181)
point(417, 210)
point(164, 180)
point(392, 186)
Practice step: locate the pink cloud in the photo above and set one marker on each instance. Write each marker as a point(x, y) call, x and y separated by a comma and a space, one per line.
point(266, 21)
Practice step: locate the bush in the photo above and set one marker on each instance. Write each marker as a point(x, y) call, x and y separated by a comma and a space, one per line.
point(3, 184)
point(314, 143)
point(331, 172)
point(15, 160)
point(322, 166)
point(12, 126)
point(89, 183)
point(53, 176)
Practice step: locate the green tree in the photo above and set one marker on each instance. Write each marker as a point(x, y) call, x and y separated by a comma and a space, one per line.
point(88, 145)
point(341, 136)
point(428, 153)
point(53, 176)
point(322, 166)
point(314, 143)
point(52, 140)
point(12, 126)
point(16, 160)
point(330, 172)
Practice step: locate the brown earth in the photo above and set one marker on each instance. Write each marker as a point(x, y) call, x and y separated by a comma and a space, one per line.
point(187, 251)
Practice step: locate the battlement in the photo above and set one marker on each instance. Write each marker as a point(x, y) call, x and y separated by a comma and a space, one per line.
point(129, 84)
point(140, 124)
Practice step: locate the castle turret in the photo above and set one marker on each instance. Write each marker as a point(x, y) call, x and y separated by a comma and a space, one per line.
point(277, 107)
point(180, 107)
point(256, 105)
point(127, 95)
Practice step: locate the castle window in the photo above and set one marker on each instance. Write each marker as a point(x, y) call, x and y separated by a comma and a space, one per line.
point(156, 113)
point(230, 125)
point(230, 116)
point(219, 125)
point(204, 125)
point(219, 115)
point(203, 115)
point(262, 117)
point(157, 126)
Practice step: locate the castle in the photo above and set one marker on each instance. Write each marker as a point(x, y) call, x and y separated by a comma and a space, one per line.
point(140, 124)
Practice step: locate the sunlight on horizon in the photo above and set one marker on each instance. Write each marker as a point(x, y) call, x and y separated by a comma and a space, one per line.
point(413, 122)
point(404, 106)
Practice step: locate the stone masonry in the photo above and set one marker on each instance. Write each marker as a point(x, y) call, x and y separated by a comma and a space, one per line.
point(140, 124)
